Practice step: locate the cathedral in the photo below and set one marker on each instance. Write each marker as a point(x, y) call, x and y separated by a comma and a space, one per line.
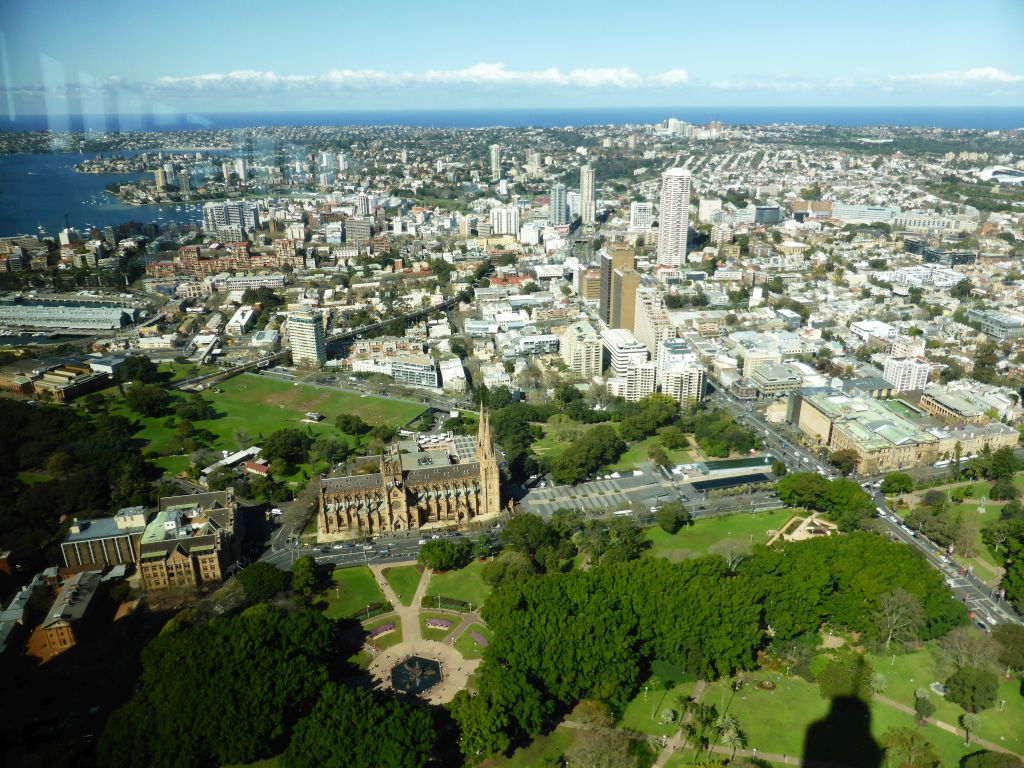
point(418, 482)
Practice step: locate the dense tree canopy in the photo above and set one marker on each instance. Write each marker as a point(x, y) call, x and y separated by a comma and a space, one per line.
point(289, 445)
point(564, 637)
point(224, 692)
point(842, 500)
point(261, 581)
point(353, 728)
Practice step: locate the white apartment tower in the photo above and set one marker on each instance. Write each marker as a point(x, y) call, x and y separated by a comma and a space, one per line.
point(580, 347)
point(588, 204)
point(686, 384)
point(674, 218)
point(907, 373)
point(495, 162)
point(559, 205)
point(505, 221)
point(641, 216)
point(306, 338)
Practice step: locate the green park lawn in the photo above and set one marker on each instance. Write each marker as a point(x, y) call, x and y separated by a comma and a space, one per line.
point(353, 589)
point(636, 455)
point(430, 633)
point(544, 750)
point(33, 478)
point(465, 584)
point(548, 446)
point(250, 407)
point(642, 713)
point(777, 721)
point(404, 579)
point(911, 671)
point(469, 647)
point(394, 637)
point(696, 539)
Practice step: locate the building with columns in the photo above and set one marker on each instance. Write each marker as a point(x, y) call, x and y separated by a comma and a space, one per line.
point(418, 484)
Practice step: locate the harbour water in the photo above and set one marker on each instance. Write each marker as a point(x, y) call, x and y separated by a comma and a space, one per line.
point(40, 190)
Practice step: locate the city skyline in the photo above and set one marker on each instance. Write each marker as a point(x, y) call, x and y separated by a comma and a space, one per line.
point(914, 59)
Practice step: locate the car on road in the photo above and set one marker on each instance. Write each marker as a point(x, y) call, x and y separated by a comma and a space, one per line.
point(367, 547)
point(325, 550)
point(339, 545)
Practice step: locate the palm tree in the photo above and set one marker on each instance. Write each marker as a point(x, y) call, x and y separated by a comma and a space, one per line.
point(735, 738)
point(970, 723)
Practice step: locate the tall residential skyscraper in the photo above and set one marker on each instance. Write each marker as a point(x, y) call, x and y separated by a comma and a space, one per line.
point(588, 205)
point(559, 205)
point(230, 213)
point(495, 162)
point(306, 338)
point(641, 216)
point(673, 217)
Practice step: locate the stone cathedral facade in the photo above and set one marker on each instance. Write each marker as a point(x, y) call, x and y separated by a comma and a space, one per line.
point(417, 484)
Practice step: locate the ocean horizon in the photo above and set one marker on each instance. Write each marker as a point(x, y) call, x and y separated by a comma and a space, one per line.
point(976, 118)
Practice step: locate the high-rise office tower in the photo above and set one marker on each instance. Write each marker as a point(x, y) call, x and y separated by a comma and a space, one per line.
point(674, 217)
point(625, 283)
point(559, 205)
point(617, 257)
point(495, 162)
point(306, 338)
point(588, 205)
point(362, 204)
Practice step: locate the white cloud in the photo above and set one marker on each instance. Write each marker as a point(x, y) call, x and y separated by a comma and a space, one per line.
point(482, 74)
point(959, 78)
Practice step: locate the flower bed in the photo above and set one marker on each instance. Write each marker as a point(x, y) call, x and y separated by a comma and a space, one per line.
point(383, 629)
point(439, 624)
point(479, 639)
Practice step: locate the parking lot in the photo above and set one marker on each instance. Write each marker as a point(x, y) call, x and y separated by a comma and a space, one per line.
point(600, 495)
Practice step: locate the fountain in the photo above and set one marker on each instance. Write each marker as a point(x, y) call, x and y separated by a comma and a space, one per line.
point(415, 675)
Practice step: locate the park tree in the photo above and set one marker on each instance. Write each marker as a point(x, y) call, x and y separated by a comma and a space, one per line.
point(1010, 639)
point(967, 647)
point(355, 728)
point(146, 399)
point(290, 446)
point(779, 468)
point(671, 516)
point(351, 424)
point(986, 759)
point(897, 483)
point(446, 554)
point(1004, 489)
point(138, 368)
point(907, 748)
point(528, 534)
point(483, 725)
point(303, 579)
point(1003, 463)
point(923, 706)
point(261, 581)
point(900, 617)
point(733, 551)
point(972, 688)
point(509, 566)
point(604, 748)
point(844, 460)
point(970, 723)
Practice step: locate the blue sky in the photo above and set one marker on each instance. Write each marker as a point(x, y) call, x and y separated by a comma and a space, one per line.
point(225, 55)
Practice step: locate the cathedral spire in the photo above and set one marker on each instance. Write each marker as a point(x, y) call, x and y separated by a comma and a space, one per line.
point(484, 442)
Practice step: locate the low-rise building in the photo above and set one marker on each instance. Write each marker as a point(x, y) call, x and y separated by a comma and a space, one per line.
point(63, 623)
point(191, 541)
point(105, 541)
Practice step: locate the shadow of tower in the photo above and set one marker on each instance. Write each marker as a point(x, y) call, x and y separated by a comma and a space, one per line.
point(843, 736)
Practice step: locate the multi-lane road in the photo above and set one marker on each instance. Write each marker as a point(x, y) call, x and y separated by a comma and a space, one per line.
point(979, 598)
